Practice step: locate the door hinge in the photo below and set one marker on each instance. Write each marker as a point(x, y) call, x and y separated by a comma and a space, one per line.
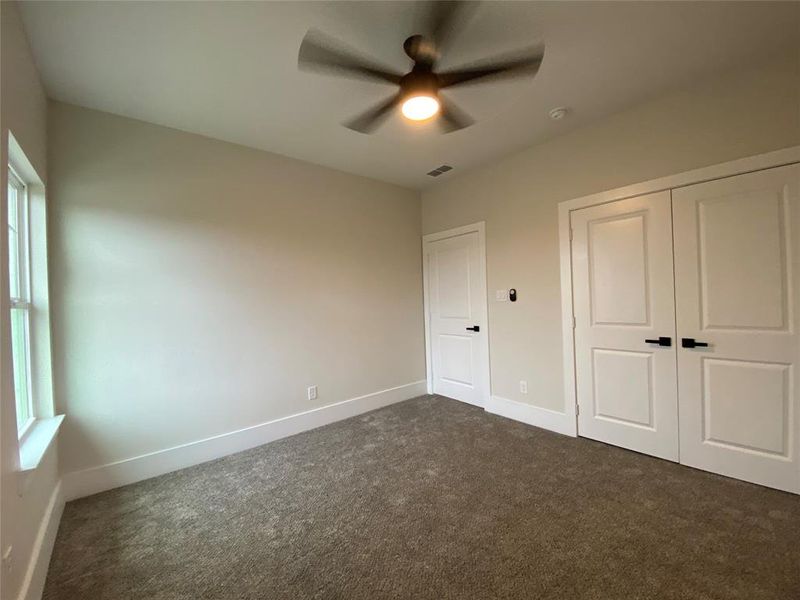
point(577, 409)
point(570, 234)
point(573, 321)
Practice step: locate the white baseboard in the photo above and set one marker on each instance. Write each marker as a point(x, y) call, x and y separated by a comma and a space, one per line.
point(533, 415)
point(33, 585)
point(78, 484)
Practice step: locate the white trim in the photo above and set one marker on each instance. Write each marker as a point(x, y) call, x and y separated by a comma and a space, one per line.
point(35, 576)
point(537, 416)
point(78, 484)
point(567, 321)
point(426, 321)
point(480, 229)
point(770, 160)
point(39, 437)
point(778, 158)
point(19, 161)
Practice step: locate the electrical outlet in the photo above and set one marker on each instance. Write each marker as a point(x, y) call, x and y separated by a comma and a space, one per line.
point(523, 387)
point(312, 392)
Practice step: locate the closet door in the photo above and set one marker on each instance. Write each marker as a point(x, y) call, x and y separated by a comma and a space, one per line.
point(737, 268)
point(624, 310)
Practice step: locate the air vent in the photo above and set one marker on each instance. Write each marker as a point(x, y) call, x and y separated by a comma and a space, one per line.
point(439, 170)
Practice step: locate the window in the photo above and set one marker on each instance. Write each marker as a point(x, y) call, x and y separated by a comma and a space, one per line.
point(37, 423)
point(19, 274)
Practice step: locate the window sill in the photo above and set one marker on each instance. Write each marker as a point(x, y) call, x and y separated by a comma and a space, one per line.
point(37, 440)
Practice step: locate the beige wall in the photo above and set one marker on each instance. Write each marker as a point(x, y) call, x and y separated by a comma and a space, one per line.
point(23, 111)
point(199, 286)
point(740, 114)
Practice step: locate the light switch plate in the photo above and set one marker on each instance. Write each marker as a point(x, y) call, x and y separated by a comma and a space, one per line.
point(501, 295)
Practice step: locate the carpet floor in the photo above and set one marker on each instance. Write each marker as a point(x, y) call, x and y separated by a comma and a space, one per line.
point(430, 498)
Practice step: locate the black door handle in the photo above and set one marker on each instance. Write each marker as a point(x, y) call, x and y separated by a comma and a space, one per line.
point(692, 343)
point(474, 328)
point(661, 341)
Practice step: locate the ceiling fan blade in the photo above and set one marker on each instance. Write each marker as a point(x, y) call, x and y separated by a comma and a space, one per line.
point(370, 119)
point(320, 52)
point(451, 117)
point(496, 68)
point(445, 19)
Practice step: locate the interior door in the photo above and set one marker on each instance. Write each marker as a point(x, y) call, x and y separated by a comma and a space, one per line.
point(736, 272)
point(456, 290)
point(624, 311)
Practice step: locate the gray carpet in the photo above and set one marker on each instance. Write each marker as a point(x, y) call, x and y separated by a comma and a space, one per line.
point(430, 498)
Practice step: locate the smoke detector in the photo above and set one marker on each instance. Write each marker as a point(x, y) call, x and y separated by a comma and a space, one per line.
point(558, 113)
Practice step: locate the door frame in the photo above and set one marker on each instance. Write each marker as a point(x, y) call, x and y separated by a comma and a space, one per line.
point(759, 162)
point(480, 229)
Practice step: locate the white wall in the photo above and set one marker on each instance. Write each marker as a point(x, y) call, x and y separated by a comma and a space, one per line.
point(23, 501)
point(735, 115)
point(198, 287)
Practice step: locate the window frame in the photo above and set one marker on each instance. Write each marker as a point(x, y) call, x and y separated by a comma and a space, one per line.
point(23, 301)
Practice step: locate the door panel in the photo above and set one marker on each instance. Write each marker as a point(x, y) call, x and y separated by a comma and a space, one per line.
point(742, 239)
point(623, 403)
point(617, 258)
point(456, 290)
point(452, 281)
point(623, 295)
point(736, 275)
point(455, 358)
point(728, 415)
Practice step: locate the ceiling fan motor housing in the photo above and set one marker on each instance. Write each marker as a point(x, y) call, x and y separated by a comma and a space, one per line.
point(419, 83)
point(421, 50)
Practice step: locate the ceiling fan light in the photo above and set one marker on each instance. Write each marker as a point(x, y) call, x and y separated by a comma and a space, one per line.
point(420, 107)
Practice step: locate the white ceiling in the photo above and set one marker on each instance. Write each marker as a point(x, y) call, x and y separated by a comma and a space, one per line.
point(228, 70)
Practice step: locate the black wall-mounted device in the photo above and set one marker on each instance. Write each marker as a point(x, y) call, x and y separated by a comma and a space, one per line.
point(512, 295)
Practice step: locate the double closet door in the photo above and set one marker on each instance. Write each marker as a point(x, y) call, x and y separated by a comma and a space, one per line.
point(686, 342)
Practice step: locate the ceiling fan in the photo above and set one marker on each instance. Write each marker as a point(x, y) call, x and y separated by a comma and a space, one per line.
point(419, 96)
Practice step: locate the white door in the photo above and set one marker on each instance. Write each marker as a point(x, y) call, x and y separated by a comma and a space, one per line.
point(624, 310)
point(456, 300)
point(737, 269)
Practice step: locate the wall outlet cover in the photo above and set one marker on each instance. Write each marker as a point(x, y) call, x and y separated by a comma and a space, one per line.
point(523, 387)
point(312, 392)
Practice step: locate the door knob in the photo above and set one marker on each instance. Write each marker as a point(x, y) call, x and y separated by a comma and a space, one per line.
point(661, 341)
point(474, 328)
point(692, 343)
